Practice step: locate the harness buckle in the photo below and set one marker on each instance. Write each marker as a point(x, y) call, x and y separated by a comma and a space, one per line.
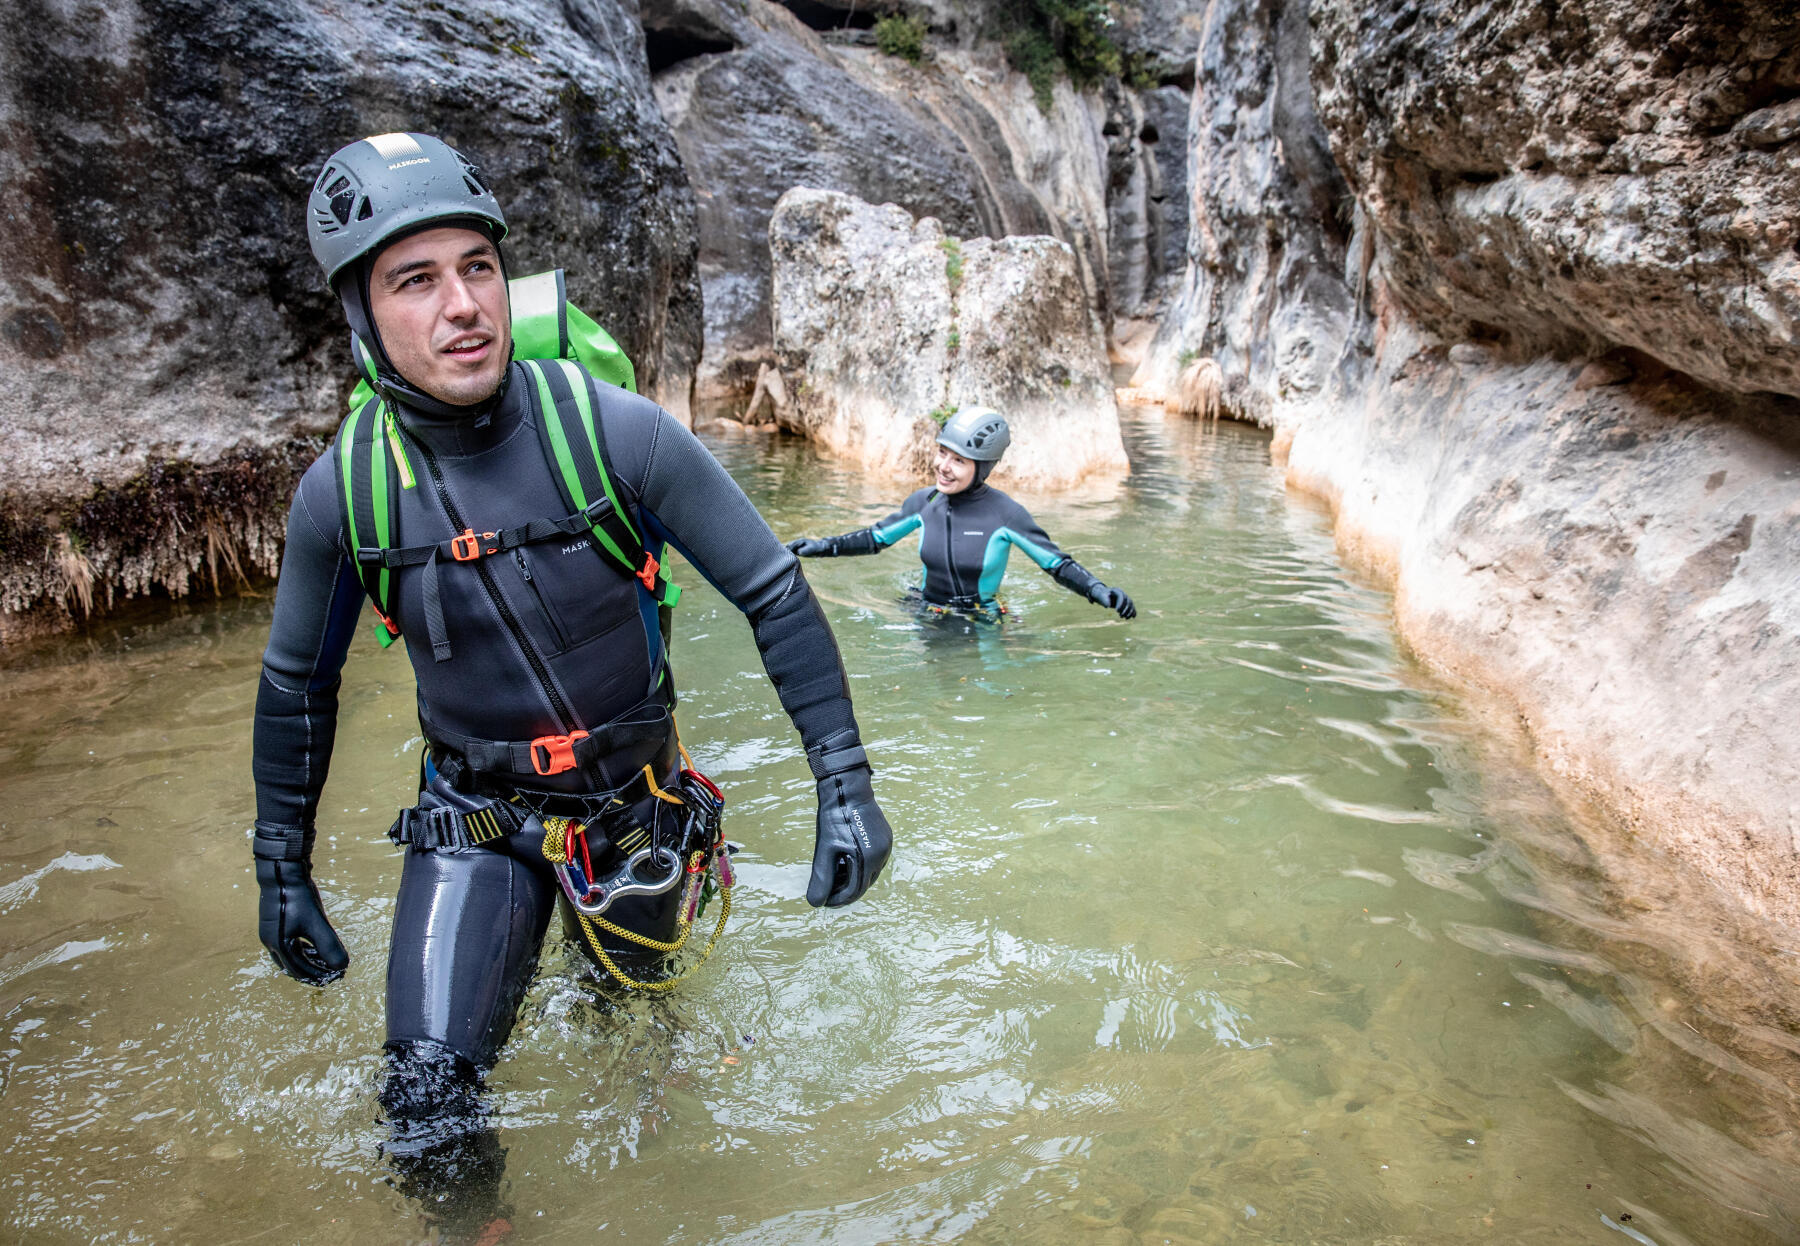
point(553, 754)
point(469, 545)
point(647, 573)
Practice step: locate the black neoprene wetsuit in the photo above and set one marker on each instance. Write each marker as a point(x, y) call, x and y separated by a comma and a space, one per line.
point(541, 640)
point(964, 541)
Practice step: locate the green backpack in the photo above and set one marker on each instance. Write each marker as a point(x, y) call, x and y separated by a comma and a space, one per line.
point(375, 464)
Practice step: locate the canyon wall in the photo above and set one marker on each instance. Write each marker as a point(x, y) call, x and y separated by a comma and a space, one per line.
point(172, 359)
point(1531, 330)
point(765, 97)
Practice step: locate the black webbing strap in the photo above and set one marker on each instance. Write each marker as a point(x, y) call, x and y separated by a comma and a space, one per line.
point(468, 547)
point(446, 826)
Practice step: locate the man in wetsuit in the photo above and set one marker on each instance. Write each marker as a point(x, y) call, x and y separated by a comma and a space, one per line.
point(542, 640)
point(967, 527)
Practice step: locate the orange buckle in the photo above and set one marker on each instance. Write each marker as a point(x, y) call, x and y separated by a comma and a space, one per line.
point(557, 752)
point(648, 574)
point(392, 628)
point(469, 545)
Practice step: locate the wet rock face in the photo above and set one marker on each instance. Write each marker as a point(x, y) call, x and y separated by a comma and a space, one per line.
point(1560, 177)
point(159, 302)
point(880, 320)
point(1265, 293)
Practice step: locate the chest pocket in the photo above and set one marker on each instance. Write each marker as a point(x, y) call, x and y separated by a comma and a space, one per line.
point(579, 599)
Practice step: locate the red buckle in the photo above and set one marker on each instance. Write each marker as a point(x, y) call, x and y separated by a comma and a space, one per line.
point(648, 573)
point(558, 752)
point(392, 627)
point(469, 545)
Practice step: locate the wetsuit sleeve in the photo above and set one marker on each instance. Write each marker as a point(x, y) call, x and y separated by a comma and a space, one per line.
point(691, 501)
point(1024, 534)
point(870, 540)
point(906, 519)
point(316, 604)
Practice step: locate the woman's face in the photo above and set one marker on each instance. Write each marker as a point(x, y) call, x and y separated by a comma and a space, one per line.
point(954, 472)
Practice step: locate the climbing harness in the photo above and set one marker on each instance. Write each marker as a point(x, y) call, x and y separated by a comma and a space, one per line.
point(702, 844)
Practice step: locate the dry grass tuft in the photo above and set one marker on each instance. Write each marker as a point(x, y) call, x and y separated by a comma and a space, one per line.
point(221, 547)
point(1199, 388)
point(77, 576)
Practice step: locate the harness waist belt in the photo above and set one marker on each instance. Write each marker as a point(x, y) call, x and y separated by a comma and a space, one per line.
point(648, 723)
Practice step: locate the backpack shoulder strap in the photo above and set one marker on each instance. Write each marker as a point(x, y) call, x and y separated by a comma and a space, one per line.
point(574, 444)
point(372, 469)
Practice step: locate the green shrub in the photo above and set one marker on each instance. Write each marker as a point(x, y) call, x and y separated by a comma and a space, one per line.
point(953, 263)
point(942, 414)
point(1045, 37)
point(900, 35)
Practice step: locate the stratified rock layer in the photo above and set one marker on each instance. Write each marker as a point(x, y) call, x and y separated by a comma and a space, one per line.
point(1524, 364)
point(881, 320)
point(164, 333)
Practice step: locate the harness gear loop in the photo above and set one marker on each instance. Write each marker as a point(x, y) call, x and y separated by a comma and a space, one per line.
point(553, 754)
point(561, 835)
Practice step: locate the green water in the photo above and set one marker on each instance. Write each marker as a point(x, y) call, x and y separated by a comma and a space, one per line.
point(1226, 924)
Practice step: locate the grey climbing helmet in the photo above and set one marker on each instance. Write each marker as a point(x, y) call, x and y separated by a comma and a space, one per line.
point(977, 433)
point(380, 187)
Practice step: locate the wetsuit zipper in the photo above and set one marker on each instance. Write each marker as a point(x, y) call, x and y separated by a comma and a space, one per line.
point(956, 590)
point(493, 590)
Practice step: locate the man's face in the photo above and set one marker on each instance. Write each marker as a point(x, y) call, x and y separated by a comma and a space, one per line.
point(954, 472)
point(439, 302)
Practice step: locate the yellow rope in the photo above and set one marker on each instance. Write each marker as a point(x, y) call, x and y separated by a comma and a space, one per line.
point(555, 830)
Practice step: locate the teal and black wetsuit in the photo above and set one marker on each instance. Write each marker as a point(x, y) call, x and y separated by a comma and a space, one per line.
point(964, 541)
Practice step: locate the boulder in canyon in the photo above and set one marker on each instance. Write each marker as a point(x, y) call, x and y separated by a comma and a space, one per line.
point(881, 320)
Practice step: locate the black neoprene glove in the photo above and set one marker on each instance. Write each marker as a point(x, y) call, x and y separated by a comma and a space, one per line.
point(1078, 579)
point(1115, 599)
point(862, 541)
point(290, 918)
point(853, 839)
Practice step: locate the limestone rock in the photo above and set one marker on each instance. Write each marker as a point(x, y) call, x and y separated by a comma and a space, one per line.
point(760, 103)
point(1455, 277)
point(1592, 174)
point(1265, 294)
point(160, 305)
point(881, 320)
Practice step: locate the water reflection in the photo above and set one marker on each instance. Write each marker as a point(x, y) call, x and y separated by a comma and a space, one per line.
point(1223, 924)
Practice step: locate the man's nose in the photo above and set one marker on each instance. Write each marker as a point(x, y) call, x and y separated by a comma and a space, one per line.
point(459, 300)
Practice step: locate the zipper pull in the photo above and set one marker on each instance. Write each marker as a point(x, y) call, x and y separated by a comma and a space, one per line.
point(519, 557)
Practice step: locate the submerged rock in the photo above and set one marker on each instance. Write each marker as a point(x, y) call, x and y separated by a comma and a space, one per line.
point(170, 355)
point(882, 321)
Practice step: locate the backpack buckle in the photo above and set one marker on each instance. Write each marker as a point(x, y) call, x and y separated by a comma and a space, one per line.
point(647, 573)
point(553, 754)
point(469, 545)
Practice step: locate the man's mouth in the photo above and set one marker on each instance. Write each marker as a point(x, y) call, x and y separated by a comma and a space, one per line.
point(468, 347)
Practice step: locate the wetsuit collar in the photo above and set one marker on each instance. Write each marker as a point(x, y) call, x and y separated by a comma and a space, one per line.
point(971, 494)
point(461, 432)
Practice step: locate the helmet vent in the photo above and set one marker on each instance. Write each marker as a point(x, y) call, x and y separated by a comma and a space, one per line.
point(366, 211)
point(341, 204)
point(338, 187)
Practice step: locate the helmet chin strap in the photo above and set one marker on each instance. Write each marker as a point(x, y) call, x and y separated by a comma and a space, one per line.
point(353, 292)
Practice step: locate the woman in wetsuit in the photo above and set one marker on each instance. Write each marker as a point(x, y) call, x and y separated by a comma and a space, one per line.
point(967, 527)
